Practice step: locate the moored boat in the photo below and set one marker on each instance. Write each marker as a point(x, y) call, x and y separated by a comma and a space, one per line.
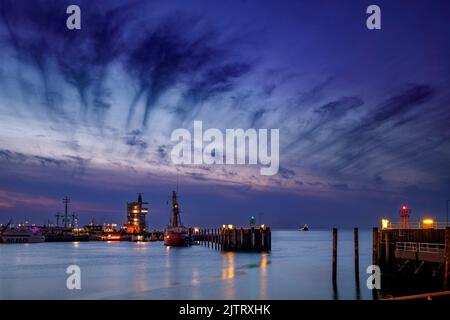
point(176, 234)
point(22, 235)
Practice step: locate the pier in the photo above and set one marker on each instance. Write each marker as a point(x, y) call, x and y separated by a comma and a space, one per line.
point(413, 254)
point(230, 238)
point(420, 256)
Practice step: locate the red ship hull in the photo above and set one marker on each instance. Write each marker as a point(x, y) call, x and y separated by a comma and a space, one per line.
point(176, 237)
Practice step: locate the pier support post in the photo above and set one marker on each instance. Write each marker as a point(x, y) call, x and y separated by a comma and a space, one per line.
point(253, 239)
point(218, 238)
point(387, 240)
point(375, 246)
point(241, 238)
point(447, 260)
point(355, 235)
point(335, 234)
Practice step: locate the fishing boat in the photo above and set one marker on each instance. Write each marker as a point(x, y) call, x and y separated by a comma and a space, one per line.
point(304, 228)
point(22, 235)
point(176, 234)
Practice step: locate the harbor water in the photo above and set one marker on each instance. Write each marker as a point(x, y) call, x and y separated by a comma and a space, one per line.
point(298, 267)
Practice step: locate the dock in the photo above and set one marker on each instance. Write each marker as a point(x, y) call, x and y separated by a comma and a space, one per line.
point(230, 238)
point(417, 255)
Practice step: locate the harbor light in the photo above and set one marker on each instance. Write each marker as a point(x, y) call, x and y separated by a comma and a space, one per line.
point(263, 226)
point(196, 230)
point(230, 226)
point(384, 223)
point(428, 223)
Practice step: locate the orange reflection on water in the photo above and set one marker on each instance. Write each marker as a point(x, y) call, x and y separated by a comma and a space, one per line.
point(228, 273)
point(228, 266)
point(263, 290)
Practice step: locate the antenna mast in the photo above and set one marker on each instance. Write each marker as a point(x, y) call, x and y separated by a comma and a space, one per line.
point(66, 201)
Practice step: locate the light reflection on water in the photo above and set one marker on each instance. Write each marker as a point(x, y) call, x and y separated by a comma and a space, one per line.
point(299, 267)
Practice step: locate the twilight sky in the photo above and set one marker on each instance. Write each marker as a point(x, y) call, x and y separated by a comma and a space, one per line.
point(363, 115)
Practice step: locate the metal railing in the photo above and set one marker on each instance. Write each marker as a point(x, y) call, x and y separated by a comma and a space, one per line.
point(420, 247)
point(417, 225)
point(432, 247)
point(406, 246)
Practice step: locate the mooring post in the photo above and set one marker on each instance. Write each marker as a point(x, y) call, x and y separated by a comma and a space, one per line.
point(447, 259)
point(375, 246)
point(355, 235)
point(335, 234)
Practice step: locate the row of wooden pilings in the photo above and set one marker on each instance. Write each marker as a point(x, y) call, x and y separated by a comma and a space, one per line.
point(234, 239)
point(356, 259)
point(335, 248)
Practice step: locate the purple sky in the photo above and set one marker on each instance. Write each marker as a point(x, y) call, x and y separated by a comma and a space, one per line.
point(363, 115)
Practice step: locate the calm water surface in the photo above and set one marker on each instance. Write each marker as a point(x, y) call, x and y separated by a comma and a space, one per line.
point(299, 267)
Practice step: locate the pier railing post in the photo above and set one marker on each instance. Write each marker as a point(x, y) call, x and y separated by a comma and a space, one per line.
point(335, 233)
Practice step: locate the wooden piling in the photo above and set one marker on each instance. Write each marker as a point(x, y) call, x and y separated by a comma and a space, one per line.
point(387, 241)
point(447, 260)
point(375, 241)
point(356, 241)
point(335, 234)
point(241, 237)
point(253, 238)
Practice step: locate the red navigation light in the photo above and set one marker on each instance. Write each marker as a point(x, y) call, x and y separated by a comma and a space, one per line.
point(404, 207)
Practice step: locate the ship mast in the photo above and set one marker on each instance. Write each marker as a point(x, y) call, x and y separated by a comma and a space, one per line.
point(66, 201)
point(175, 210)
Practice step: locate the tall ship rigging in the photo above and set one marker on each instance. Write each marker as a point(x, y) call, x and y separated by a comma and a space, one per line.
point(176, 234)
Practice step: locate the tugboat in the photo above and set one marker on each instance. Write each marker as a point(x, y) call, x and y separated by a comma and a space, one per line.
point(176, 234)
point(304, 228)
